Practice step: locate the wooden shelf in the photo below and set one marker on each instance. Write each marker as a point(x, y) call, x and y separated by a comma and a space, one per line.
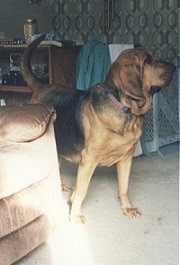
point(20, 89)
point(60, 62)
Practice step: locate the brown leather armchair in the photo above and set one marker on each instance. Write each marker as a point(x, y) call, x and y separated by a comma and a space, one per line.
point(30, 195)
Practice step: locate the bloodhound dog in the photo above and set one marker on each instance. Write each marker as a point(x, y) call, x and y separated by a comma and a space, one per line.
point(102, 126)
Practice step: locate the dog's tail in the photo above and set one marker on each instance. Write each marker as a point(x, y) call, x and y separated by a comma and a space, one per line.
point(32, 81)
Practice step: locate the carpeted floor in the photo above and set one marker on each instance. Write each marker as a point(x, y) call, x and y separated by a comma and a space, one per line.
point(108, 237)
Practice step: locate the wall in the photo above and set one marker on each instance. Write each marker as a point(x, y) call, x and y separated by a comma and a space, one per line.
point(151, 23)
point(13, 13)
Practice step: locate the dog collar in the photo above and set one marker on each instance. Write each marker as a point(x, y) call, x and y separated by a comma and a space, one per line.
point(116, 102)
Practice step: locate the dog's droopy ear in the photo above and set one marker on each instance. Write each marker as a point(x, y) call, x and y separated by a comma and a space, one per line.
point(131, 78)
point(128, 77)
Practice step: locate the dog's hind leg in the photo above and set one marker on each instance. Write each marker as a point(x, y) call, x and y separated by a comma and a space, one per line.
point(85, 171)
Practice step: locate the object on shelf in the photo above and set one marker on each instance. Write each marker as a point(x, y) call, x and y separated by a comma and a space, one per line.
point(1, 76)
point(11, 42)
point(2, 102)
point(14, 61)
point(52, 39)
point(30, 29)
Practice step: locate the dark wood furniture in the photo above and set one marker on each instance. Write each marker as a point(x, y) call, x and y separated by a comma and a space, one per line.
point(59, 62)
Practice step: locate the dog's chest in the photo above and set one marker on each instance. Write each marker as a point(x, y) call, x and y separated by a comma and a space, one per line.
point(112, 142)
point(118, 147)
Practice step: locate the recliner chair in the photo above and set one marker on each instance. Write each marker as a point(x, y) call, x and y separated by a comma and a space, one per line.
point(30, 188)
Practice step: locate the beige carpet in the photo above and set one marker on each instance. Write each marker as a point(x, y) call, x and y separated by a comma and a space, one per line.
point(110, 238)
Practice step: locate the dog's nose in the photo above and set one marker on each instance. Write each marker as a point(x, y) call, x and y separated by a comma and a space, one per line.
point(171, 67)
point(170, 70)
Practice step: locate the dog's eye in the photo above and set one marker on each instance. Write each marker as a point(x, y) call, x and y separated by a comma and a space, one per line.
point(148, 60)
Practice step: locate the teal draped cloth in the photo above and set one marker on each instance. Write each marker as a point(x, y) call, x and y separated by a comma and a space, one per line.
point(92, 64)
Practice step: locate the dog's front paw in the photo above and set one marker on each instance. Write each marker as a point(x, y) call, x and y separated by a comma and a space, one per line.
point(81, 219)
point(132, 212)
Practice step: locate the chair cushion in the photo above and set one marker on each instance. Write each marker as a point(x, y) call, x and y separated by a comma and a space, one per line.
point(22, 164)
point(24, 123)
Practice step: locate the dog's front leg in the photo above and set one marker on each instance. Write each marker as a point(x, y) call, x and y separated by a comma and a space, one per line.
point(123, 170)
point(85, 171)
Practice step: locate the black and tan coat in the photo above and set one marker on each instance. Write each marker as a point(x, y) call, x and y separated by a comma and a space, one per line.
point(102, 126)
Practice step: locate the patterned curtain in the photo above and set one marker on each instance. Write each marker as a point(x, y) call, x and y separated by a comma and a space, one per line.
point(152, 24)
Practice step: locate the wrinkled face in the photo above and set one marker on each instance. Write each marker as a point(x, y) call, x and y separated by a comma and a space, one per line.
point(157, 72)
point(136, 72)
